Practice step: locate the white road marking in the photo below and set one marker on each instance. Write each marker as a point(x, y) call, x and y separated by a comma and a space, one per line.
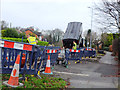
point(71, 73)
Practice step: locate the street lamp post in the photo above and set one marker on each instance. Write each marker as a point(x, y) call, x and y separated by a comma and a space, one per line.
point(91, 27)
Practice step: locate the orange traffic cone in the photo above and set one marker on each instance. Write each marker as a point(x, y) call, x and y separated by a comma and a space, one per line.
point(47, 69)
point(6, 58)
point(14, 78)
point(23, 60)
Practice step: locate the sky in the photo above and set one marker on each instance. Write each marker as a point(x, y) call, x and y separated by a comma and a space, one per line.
point(46, 14)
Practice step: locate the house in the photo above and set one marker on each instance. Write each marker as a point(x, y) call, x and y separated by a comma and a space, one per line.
point(30, 31)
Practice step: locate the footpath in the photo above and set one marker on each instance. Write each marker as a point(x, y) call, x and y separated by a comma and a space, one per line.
point(108, 59)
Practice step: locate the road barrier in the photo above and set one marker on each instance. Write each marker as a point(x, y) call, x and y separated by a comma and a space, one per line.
point(33, 57)
point(11, 50)
point(53, 52)
point(71, 54)
point(89, 52)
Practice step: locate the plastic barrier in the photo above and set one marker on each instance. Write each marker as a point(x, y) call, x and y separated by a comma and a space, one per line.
point(89, 52)
point(41, 53)
point(12, 50)
point(53, 56)
point(53, 52)
point(71, 54)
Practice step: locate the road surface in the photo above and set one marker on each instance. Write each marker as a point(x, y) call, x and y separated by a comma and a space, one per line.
point(90, 74)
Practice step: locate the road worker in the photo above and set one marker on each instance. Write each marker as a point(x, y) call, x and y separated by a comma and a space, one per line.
point(74, 45)
point(32, 40)
point(73, 53)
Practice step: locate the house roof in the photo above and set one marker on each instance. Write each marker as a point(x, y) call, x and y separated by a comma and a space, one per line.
point(38, 33)
point(29, 30)
point(35, 32)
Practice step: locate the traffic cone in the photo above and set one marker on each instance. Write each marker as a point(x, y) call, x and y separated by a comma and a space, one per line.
point(47, 69)
point(6, 58)
point(23, 60)
point(14, 78)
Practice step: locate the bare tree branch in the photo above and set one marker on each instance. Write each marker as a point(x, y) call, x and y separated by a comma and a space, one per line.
point(109, 14)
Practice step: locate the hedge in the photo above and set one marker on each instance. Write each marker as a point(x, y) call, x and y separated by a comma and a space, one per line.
point(15, 39)
point(41, 43)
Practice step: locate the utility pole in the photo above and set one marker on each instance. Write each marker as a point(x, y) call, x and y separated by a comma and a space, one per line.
point(91, 26)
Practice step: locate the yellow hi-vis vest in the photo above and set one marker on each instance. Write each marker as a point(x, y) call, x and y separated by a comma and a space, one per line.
point(32, 40)
point(75, 46)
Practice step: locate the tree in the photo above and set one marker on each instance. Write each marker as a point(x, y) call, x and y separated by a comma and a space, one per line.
point(94, 36)
point(3, 33)
point(107, 39)
point(4, 25)
point(88, 35)
point(58, 34)
point(22, 35)
point(107, 16)
point(10, 32)
point(54, 36)
point(49, 39)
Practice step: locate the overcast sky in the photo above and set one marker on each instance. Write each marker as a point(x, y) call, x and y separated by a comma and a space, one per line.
point(46, 14)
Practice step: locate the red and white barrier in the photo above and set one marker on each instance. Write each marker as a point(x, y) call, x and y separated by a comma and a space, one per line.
point(88, 49)
point(14, 45)
point(72, 50)
point(51, 51)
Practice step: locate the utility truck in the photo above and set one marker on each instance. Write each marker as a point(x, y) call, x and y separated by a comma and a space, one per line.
point(73, 33)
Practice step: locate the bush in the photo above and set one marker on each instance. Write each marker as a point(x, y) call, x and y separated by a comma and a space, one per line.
point(110, 48)
point(106, 48)
point(93, 46)
point(41, 43)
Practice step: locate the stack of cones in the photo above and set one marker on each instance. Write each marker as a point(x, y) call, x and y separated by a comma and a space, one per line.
point(14, 78)
point(47, 69)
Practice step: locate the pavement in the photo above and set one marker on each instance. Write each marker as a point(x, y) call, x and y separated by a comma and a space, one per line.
point(90, 74)
point(108, 59)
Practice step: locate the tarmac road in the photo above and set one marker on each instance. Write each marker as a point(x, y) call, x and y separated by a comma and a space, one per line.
point(90, 74)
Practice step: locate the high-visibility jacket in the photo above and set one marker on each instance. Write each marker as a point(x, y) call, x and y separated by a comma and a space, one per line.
point(32, 40)
point(74, 46)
